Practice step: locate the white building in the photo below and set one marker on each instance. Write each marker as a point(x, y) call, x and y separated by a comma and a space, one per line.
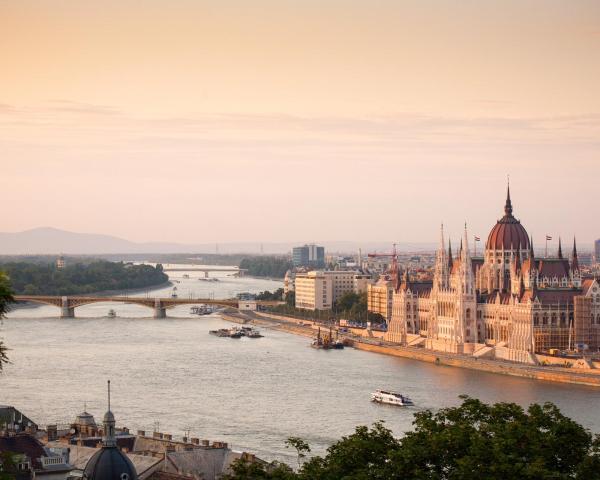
point(318, 290)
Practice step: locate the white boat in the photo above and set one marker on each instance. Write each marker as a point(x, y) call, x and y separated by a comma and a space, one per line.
point(391, 398)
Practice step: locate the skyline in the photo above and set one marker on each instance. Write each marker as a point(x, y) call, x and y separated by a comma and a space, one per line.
point(196, 122)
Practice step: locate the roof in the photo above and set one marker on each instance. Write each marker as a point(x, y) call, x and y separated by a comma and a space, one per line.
point(547, 295)
point(109, 463)
point(508, 233)
point(24, 444)
point(553, 267)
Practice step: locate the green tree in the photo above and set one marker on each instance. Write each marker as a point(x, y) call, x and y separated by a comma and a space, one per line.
point(470, 442)
point(302, 448)
point(8, 466)
point(6, 299)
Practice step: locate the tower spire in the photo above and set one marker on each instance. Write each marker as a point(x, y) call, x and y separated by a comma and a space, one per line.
point(508, 206)
point(109, 439)
point(560, 255)
point(575, 262)
point(450, 253)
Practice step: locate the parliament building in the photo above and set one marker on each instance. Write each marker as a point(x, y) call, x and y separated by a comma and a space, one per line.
point(508, 304)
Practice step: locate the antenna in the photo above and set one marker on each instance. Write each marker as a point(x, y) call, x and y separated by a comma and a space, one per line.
point(109, 395)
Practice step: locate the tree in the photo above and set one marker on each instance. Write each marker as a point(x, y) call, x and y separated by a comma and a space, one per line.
point(302, 448)
point(8, 466)
point(6, 299)
point(469, 442)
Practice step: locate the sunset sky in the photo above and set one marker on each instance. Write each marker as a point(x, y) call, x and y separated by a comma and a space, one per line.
point(256, 120)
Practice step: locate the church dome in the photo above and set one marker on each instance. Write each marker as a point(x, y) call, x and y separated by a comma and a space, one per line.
point(109, 463)
point(508, 233)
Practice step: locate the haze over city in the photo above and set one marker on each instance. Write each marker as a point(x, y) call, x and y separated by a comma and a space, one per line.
point(200, 122)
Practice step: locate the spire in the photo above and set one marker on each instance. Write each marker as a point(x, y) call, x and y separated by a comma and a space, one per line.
point(449, 253)
point(575, 262)
point(560, 255)
point(461, 248)
point(508, 206)
point(531, 252)
point(518, 258)
point(108, 439)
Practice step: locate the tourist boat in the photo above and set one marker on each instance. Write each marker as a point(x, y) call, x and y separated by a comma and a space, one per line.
point(112, 313)
point(391, 398)
point(201, 310)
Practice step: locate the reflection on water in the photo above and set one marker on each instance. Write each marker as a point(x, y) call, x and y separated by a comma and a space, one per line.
point(252, 393)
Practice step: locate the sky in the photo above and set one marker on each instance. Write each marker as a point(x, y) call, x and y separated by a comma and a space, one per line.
point(299, 120)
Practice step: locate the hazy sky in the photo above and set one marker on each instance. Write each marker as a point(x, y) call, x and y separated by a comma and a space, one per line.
point(256, 120)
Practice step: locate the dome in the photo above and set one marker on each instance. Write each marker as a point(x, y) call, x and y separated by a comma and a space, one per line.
point(85, 418)
point(109, 463)
point(109, 417)
point(508, 233)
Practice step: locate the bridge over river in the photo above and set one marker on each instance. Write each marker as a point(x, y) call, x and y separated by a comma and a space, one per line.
point(67, 304)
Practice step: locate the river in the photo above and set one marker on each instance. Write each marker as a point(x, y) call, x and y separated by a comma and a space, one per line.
point(251, 393)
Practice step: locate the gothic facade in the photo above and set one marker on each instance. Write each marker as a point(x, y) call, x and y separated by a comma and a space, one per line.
point(507, 304)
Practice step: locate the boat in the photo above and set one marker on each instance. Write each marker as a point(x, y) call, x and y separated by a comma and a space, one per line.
point(251, 332)
point(185, 275)
point(112, 313)
point(326, 342)
point(201, 310)
point(221, 332)
point(391, 398)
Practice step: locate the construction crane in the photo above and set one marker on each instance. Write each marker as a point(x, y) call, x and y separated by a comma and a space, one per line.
point(393, 254)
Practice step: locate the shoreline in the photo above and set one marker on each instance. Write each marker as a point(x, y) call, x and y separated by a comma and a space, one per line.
point(547, 373)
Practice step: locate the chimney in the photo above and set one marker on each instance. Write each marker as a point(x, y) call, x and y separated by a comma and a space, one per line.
point(196, 441)
point(168, 436)
point(141, 433)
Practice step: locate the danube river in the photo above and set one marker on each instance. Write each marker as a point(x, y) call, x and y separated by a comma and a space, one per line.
point(252, 393)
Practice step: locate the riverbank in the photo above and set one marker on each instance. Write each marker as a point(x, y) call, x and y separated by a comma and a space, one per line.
point(544, 373)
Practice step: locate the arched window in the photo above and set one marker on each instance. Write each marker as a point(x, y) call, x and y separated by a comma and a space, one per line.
point(536, 319)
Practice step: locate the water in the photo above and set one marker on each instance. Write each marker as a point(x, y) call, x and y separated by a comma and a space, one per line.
point(251, 393)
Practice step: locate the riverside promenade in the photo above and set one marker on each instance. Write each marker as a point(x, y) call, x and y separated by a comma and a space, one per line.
point(546, 373)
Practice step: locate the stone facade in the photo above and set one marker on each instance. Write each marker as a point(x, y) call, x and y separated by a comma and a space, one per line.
point(507, 304)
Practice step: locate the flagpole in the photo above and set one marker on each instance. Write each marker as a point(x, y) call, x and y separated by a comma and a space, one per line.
point(475, 245)
point(546, 245)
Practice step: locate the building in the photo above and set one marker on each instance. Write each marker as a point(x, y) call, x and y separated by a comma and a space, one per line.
point(309, 256)
point(60, 262)
point(289, 282)
point(507, 304)
point(318, 290)
point(597, 252)
point(31, 458)
point(314, 291)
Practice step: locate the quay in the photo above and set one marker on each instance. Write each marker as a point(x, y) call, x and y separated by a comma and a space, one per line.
point(552, 373)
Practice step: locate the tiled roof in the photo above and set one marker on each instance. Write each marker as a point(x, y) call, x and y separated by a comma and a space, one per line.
point(26, 445)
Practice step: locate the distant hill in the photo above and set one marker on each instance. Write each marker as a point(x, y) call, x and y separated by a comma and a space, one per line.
point(47, 240)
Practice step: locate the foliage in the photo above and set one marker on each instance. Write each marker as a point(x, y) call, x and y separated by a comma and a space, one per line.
point(7, 466)
point(78, 278)
point(350, 306)
point(266, 265)
point(302, 448)
point(469, 442)
point(274, 296)
point(5, 299)
point(243, 470)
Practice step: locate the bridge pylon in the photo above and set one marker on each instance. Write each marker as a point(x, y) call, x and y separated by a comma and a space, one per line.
point(66, 310)
point(159, 310)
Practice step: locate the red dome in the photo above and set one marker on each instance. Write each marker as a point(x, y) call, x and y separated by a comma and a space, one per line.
point(508, 233)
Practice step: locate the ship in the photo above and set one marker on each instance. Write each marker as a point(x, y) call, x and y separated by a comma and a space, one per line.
point(391, 398)
point(112, 313)
point(201, 310)
point(326, 342)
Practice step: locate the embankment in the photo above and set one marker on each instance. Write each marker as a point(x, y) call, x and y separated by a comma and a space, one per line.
point(545, 373)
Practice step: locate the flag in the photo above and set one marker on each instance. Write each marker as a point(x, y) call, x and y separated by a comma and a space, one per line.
point(477, 239)
point(548, 237)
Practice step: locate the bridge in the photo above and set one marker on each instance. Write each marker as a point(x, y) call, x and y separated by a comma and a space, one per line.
point(160, 305)
point(206, 270)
